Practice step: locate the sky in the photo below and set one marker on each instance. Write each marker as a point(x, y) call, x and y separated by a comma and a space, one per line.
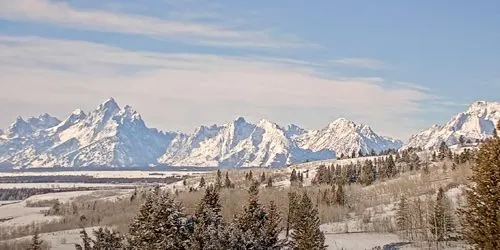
point(397, 65)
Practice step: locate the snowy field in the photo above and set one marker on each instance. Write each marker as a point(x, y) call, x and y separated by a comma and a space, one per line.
point(23, 215)
point(105, 174)
point(65, 185)
point(359, 241)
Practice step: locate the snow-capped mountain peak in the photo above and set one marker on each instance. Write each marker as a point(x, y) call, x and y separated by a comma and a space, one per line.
point(118, 137)
point(346, 137)
point(476, 123)
point(293, 130)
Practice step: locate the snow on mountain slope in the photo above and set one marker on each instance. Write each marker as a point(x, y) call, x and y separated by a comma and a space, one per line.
point(239, 144)
point(292, 131)
point(118, 137)
point(344, 137)
point(21, 128)
point(477, 122)
point(107, 136)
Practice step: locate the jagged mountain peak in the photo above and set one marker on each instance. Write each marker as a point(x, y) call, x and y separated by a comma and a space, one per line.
point(118, 137)
point(476, 123)
point(344, 137)
point(21, 127)
point(293, 130)
point(110, 105)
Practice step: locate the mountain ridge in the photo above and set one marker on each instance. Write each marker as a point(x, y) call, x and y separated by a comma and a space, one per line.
point(476, 123)
point(116, 136)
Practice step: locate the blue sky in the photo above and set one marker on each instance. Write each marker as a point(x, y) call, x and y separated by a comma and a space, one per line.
point(399, 66)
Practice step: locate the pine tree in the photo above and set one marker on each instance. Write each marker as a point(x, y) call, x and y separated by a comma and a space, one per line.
point(250, 176)
point(262, 177)
point(403, 220)
point(105, 239)
point(36, 242)
point(202, 182)
point(255, 228)
point(269, 182)
point(293, 211)
point(218, 179)
point(340, 196)
point(306, 233)
point(160, 224)
point(227, 181)
point(209, 231)
point(86, 241)
point(293, 176)
point(367, 176)
point(271, 236)
point(481, 216)
point(442, 225)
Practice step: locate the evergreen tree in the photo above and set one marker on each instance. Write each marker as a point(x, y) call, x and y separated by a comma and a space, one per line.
point(272, 229)
point(262, 177)
point(367, 176)
point(105, 239)
point(36, 242)
point(293, 176)
point(360, 153)
point(269, 182)
point(86, 241)
point(293, 211)
point(227, 181)
point(209, 230)
point(250, 176)
point(306, 233)
point(340, 196)
point(218, 179)
point(442, 225)
point(255, 228)
point(481, 216)
point(160, 224)
point(403, 219)
point(391, 167)
point(461, 140)
point(202, 182)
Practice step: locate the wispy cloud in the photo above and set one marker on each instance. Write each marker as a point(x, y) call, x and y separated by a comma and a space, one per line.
point(412, 86)
point(365, 63)
point(51, 69)
point(63, 14)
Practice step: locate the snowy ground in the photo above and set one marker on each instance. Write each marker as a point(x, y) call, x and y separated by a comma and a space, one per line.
point(105, 174)
point(23, 215)
point(360, 241)
point(66, 185)
point(62, 240)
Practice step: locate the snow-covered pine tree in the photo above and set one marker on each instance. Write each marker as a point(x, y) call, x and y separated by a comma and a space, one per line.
point(306, 233)
point(442, 225)
point(160, 224)
point(272, 229)
point(107, 239)
point(36, 242)
point(481, 215)
point(209, 231)
point(255, 228)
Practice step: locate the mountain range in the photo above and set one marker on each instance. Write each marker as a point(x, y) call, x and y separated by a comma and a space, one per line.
point(110, 136)
point(476, 123)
